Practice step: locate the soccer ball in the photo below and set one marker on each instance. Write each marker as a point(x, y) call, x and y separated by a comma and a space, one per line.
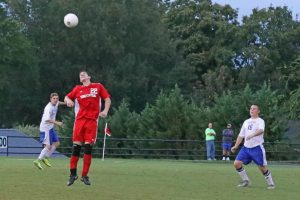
point(71, 20)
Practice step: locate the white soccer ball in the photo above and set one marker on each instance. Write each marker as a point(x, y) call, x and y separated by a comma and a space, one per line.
point(71, 20)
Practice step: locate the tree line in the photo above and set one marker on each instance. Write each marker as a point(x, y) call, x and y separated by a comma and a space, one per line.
point(170, 66)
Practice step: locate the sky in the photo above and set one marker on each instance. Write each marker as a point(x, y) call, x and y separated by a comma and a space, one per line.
point(245, 6)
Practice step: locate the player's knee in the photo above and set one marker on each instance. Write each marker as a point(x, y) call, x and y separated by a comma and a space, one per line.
point(237, 164)
point(88, 149)
point(76, 150)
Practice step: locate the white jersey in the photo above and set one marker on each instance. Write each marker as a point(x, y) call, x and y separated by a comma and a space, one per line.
point(249, 127)
point(49, 114)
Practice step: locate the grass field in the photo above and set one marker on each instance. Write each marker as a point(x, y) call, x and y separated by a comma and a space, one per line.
point(137, 179)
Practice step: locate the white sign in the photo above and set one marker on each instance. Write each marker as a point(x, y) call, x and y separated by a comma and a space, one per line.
point(3, 142)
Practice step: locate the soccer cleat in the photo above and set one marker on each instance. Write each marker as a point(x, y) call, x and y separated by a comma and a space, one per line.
point(227, 158)
point(86, 180)
point(72, 179)
point(271, 187)
point(46, 162)
point(223, 158)
point(244, 183)
point(38, 164)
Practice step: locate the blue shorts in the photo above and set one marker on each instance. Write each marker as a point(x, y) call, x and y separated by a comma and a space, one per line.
point(48, 137)
point(256, 154)
point(226, 146)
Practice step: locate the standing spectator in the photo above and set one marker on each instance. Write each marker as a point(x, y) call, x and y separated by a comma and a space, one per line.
point(210, 142)
point(88, 104)
point(253, 150)
point(48, 136)
point(227, 134)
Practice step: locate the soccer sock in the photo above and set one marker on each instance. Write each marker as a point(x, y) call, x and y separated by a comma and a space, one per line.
point(87, 159)
point(43, 153)
point(51, 151)
point(268, 177)
point(73, 165)
point(242, 172)
point(74, 159)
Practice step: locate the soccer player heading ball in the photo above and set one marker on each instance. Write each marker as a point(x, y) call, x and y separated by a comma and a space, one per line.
point(87, 98)
point(253, 150)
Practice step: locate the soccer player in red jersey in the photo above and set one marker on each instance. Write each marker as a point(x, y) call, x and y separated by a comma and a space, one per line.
point(87, 98)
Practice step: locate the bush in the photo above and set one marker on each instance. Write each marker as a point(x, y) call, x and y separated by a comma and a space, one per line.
point(30, 130)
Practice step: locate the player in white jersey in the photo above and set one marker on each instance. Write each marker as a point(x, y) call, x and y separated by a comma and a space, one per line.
point(252, 132)
point(48, 136)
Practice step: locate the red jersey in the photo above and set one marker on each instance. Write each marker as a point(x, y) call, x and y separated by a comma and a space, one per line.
point(89, 99)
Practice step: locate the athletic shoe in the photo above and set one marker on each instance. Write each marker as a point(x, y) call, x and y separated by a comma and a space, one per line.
point(223, 158)
point(72, 179)
point(227, 158)
point(86, 180)
point(244, 183)
point(38, 164)
point(46, 162)
point(271, 187)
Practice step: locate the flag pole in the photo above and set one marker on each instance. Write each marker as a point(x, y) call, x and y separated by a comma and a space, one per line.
point(104, 140)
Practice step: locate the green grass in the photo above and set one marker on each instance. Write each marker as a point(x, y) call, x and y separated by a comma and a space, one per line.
point(137, 179)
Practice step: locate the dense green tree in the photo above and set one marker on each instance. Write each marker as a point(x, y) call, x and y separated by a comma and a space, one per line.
point(204, 33)
point(171, 117)
point(19, 83)
point(123, 43)
point(234, 108)
point(269, 39)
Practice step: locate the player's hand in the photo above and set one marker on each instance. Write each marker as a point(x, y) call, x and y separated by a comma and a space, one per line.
point(59, 124)
point(103, 114)
point(233, 149)
point(69, 103)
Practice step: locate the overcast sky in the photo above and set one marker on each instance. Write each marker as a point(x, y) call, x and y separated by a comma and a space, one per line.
point(245, 6)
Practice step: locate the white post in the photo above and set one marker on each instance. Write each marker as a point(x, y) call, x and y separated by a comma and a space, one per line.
point(104, 140)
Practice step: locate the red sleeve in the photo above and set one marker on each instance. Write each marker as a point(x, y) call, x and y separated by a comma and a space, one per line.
point(72, 94)
point(103, 92)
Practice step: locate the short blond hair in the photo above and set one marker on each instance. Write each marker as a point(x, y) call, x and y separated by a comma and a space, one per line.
point(53, 94)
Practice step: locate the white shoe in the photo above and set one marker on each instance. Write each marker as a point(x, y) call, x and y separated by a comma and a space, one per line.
point(244, 183)
point(223, 158)
point(227, 158)
point(271, 187)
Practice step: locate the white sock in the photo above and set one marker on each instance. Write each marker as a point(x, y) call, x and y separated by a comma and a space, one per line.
point(243, 174)
point(43, 153)
point(51, 151)
point(268, 177)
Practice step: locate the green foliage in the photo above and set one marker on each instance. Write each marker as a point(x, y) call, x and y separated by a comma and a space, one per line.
point(171, 117)
point(139, 48)
point(19, 85)
point(204, 33)
point(30, 130)
point(292, 105)
point(267, 40)
point(234, 109)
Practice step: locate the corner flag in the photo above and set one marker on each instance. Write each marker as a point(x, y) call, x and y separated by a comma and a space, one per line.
point(107, 130)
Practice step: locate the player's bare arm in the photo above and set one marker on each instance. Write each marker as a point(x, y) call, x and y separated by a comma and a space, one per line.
point(54, 122)
point(107, 104)
point(237, 144)
point(68, 102)
point(61, 103)
point(256, 133)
